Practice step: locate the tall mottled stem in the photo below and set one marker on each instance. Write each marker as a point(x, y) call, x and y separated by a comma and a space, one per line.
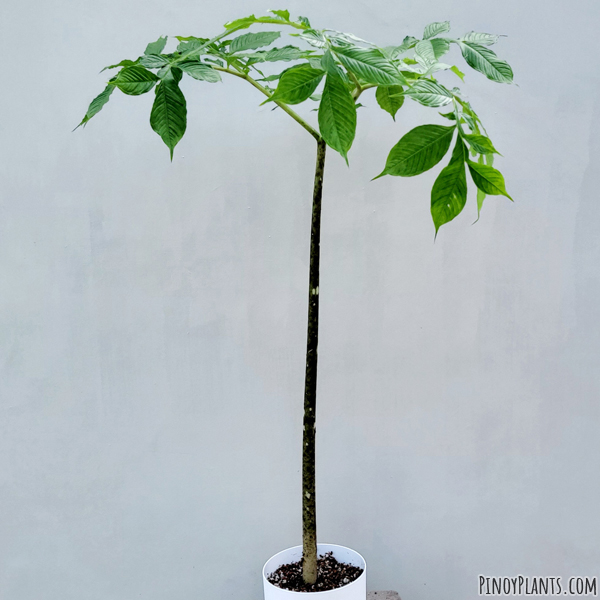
point(309, 514)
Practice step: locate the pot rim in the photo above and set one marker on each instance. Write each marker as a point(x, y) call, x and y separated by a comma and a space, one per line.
point(320, 548)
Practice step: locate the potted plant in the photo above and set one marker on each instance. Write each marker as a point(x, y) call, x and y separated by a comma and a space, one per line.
point(346, 67)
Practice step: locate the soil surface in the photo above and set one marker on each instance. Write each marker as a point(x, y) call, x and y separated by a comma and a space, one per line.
point(331, 574)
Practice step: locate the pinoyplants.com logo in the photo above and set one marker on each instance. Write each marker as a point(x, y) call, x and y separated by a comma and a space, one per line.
point(537, 586)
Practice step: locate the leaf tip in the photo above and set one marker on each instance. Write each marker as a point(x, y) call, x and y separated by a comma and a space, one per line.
point(380, 175)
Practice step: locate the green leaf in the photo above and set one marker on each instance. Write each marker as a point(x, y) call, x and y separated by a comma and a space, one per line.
point(97, 104)
point(314, 38)
point(486, 39)
point(286, 53)
point(156, 47)
point(252, 41)
point(489, 180)
point(419, 150)
point(284, 14)
point(169, 113)
point(440, 47)
point(188, 45)
point(407, 43)
point(449, 192)
point(424, 52)
point(297, 85)
point(153, 61)
point(429, 93)
point(337, 115)
point(458, 73)
point(434, 29)
point(485, 61)
point(242, 23)
point(480, 195)
point(369, 64)
point(390, 98)
point(304, 21)
point(200, 71)
point(135, 80)
point(451, 116)
point(123, 63)
point(480, 143)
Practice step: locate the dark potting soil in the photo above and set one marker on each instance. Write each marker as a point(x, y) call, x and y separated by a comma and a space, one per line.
point(331, 574)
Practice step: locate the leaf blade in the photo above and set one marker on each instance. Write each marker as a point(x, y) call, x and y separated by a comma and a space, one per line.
point(97, 104)
point(390, 98)
point(449, 192)
point(252, 41)
point(337, 115)
point(135, 80)
point(489, 180)
point(369, 64)
point(485, 61)
point(434, 29)
point(418, 150)
point(169, 113)
point(297, 84)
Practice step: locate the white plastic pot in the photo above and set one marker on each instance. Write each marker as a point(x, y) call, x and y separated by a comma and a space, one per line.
point(356, 590)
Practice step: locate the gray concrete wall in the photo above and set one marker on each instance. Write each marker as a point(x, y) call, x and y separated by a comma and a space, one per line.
point(152, 319)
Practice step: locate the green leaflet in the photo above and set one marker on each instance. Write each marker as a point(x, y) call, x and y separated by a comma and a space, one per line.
point(424, 52)
point(440, 47)
point(252, 41)
point(480, 143)
point(429, 93)
point(449, 192)
point(486, 39)
point(187, 45)
point(337, 115)
point(284, 14)
point(458, 73)
point(153, 61)
point(489, 158)
point(451, 116)
point(434, 29)
point(369, 65)
point(97, 104)
point(286, 53)
point(156, 47)
point(485, 61)
point(123, 63)
point(200, 71)
point(419, 150)
point(169, 113)
point(489, 180)
point(297, 84)
point(329, 65)
point(135, 80)
point(390, 98)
